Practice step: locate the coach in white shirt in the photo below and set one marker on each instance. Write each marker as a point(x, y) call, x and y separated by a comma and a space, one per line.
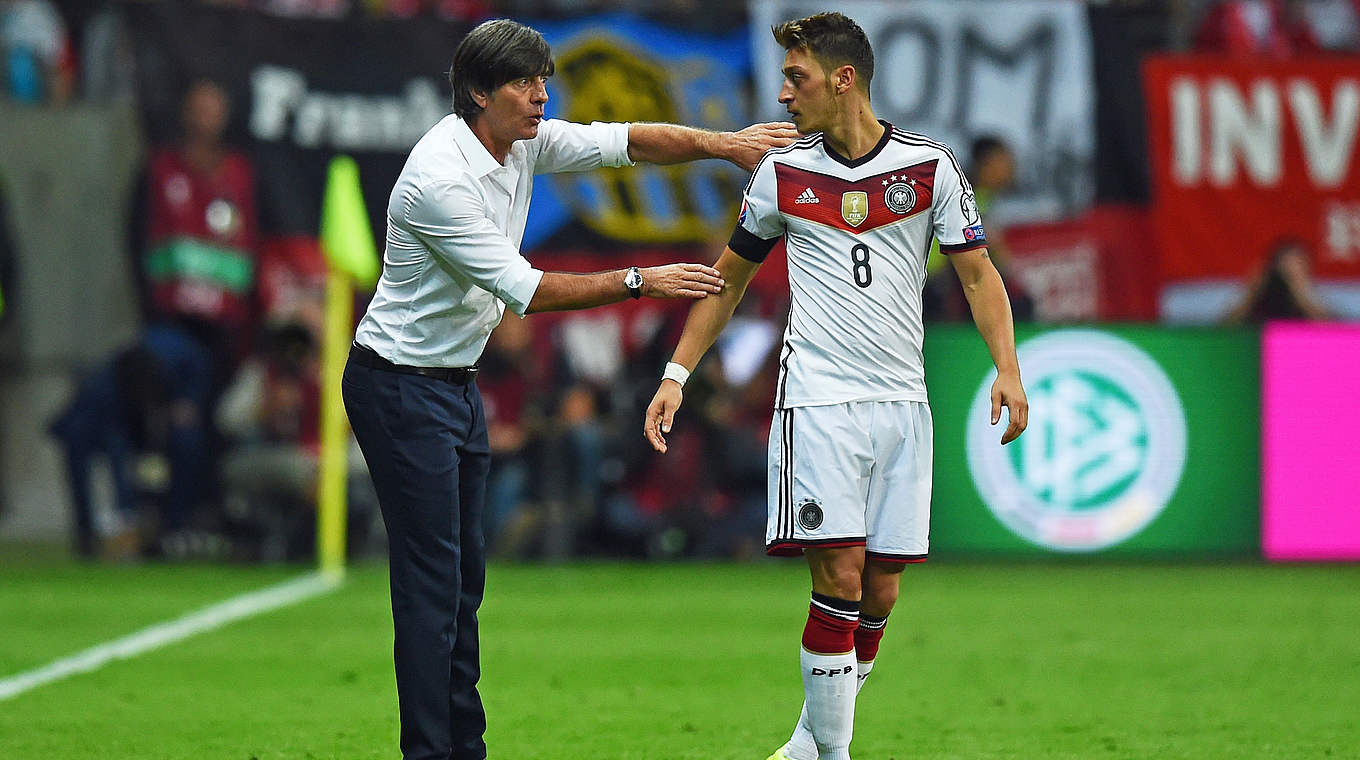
point(454, 225)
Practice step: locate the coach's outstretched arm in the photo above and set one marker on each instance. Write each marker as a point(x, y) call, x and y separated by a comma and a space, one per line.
point(991, 308)
point(673, 144)
point(706, 320)
point(562, 291)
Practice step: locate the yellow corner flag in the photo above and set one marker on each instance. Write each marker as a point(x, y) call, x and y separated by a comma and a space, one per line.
point(346, 238)
point(351, 257)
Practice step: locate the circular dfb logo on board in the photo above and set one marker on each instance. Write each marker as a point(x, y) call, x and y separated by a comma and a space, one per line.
point(1105, 448)
point(810, 515)
point(899, 197)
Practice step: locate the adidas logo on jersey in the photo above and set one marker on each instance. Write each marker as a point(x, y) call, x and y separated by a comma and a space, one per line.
point(807, 197)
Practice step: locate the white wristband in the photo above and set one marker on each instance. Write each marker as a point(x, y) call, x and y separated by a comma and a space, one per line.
point(675, 372)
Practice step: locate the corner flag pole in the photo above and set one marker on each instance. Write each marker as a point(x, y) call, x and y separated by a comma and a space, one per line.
point(347, 242)
point(332, 469)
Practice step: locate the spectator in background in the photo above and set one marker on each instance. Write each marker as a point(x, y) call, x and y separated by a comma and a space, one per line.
point(198, 261)
point(571, 455)
point(512, 381)
point(559, 403)
point(37, 63)
point(993, 171)
point(270, 418)
point(707, 498)
point(195, 235)
point(735, 419)
point(144, 412)
point(1281, 289)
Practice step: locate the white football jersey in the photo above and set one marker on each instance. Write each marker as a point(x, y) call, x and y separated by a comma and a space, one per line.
point(857, 234)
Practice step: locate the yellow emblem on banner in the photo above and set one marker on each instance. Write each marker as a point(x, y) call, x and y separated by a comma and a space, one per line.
point(603, 78)
point(855, 207)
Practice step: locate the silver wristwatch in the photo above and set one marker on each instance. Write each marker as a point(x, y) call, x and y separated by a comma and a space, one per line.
point(633, 281)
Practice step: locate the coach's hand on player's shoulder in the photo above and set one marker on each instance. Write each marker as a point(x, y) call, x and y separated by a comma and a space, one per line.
point(661, 413)
point(748, 145)
point(681, 281)
point(1009, 392)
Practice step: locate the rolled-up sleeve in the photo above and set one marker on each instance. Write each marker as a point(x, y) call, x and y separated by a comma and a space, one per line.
point(563, 146)
point(451, 219)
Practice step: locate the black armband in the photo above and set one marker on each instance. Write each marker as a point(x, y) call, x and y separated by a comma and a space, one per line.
point(750, 247)
point(961, 247)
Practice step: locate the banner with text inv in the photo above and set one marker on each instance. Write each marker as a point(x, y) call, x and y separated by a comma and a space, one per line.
point(1246, 154)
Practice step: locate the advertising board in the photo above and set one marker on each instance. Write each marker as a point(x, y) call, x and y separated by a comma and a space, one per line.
point(1141, 441)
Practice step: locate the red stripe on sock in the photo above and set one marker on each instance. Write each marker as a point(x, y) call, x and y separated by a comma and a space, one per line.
point(866, 643)
point(825, 634)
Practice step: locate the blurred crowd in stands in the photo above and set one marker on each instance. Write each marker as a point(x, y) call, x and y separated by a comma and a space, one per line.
point(208, 423)
point(45, 41)
point(212, 415)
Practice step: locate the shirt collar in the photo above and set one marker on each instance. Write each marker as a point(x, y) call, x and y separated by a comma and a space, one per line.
point(478, 157)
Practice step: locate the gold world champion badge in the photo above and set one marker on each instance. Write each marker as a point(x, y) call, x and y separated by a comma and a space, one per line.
point(855, 207)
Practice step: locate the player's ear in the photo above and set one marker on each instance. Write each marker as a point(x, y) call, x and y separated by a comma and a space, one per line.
point(844, 79)
point(480, 98)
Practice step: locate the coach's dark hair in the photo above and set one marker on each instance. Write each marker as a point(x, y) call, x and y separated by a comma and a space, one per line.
point(493, 53)
point(834, 39)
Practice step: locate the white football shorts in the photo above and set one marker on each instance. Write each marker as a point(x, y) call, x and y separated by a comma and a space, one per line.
point(852, 474)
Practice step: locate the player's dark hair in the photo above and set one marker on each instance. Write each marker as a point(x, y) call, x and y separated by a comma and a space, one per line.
point(493, 53)
point(834, 39)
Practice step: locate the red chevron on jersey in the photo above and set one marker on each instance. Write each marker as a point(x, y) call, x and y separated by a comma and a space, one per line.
point(890, 196)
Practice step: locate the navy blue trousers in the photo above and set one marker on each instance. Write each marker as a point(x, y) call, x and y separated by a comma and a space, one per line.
point(426, 447)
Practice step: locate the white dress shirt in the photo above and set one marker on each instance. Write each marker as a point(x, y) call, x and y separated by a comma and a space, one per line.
point(454, 225)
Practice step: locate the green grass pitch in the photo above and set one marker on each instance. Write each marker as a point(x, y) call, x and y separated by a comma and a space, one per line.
point(690, 662)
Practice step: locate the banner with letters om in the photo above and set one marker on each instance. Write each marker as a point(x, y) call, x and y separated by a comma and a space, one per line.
point(957, 70)
point(1246, 154)
point(1142, 441)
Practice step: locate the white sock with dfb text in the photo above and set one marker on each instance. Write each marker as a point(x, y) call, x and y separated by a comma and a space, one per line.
point(801, 746)
point(829, 688)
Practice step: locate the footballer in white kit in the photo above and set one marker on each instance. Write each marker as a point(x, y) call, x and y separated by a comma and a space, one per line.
point(850, 453)
point(857, 202)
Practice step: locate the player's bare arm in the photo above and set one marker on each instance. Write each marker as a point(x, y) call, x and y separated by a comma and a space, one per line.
point(991, 308)
point(673, 144)
point(706, 321)
point(560, 291)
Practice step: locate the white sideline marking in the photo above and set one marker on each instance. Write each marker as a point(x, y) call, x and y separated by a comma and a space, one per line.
point(171, 631)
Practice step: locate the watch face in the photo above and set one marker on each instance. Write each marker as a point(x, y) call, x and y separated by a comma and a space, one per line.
point(632, 280)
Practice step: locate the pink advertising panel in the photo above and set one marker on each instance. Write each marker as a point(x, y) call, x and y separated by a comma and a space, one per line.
point(1310, 389)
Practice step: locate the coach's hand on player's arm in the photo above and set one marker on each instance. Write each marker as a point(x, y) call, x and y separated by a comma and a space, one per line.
point(1007, 391)
point(680, 281)
point(661, 413)
point(748, 145)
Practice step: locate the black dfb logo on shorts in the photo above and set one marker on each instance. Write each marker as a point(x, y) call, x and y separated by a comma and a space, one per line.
point(810, 514)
